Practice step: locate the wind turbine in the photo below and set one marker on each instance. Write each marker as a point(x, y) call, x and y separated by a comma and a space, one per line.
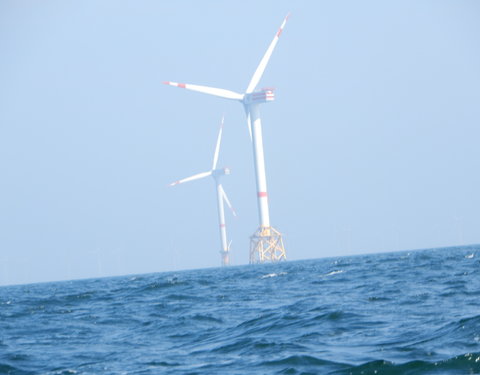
point(266, 244)
point(221, 197)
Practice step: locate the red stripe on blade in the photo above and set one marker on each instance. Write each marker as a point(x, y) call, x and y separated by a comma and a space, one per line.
point(182, 85)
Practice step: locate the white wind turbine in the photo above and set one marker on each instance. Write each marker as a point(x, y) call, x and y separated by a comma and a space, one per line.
point(266, 243)
point(221, 197)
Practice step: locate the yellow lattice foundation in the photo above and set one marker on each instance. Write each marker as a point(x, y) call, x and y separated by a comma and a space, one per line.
point(266, 245)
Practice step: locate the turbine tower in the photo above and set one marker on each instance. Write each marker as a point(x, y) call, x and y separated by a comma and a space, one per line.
point(266, 244)
point(221, 197)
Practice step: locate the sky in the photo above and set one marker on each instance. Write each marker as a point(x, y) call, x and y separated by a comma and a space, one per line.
point(371, 144)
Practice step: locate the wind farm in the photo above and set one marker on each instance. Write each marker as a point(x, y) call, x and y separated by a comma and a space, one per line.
point(266, 243)
point(217, 174)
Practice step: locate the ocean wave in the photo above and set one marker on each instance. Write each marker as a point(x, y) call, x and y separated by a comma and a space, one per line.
point(269, 275)
point(468, 363)
point(7, 369)
point(336, 315)
point(299, 360)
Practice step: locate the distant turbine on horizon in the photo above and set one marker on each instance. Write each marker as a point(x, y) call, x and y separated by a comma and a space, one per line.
point(221, 197)
point(266, 244)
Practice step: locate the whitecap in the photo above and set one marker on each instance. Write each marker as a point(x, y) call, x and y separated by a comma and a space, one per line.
point(268, 275)
point(334, 272)
point(469, 256)
point(272, 275)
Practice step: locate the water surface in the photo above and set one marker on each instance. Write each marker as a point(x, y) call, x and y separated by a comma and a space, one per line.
point(397, 313)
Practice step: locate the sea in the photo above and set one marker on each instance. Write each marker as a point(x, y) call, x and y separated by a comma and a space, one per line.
point(413, 312)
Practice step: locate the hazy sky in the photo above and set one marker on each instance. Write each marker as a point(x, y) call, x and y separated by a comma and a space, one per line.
point(372, 143)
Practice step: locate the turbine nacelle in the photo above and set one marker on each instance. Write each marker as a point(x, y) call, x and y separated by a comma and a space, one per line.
point(259, 97)
point(216, 173)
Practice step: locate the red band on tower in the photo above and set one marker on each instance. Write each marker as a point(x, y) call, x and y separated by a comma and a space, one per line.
point(262, 194)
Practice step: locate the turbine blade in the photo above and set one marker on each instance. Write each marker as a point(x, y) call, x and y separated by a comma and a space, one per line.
point(217, 147)
point(227, 94)
point(249, 123)
point(263, 63)
point(191, 178)
point(225, 198)
point(229, 244)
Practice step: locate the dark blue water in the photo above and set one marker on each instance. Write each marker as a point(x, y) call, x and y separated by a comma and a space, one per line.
point(398, 313)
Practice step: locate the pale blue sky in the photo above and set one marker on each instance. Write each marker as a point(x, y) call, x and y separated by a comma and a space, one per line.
point(371, 145)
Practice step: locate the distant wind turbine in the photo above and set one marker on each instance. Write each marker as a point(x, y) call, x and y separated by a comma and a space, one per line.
point(221, 197)
point(266, 244)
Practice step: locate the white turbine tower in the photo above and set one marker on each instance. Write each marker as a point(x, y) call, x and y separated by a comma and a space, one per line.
point(221, 197)
point(266, 243)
